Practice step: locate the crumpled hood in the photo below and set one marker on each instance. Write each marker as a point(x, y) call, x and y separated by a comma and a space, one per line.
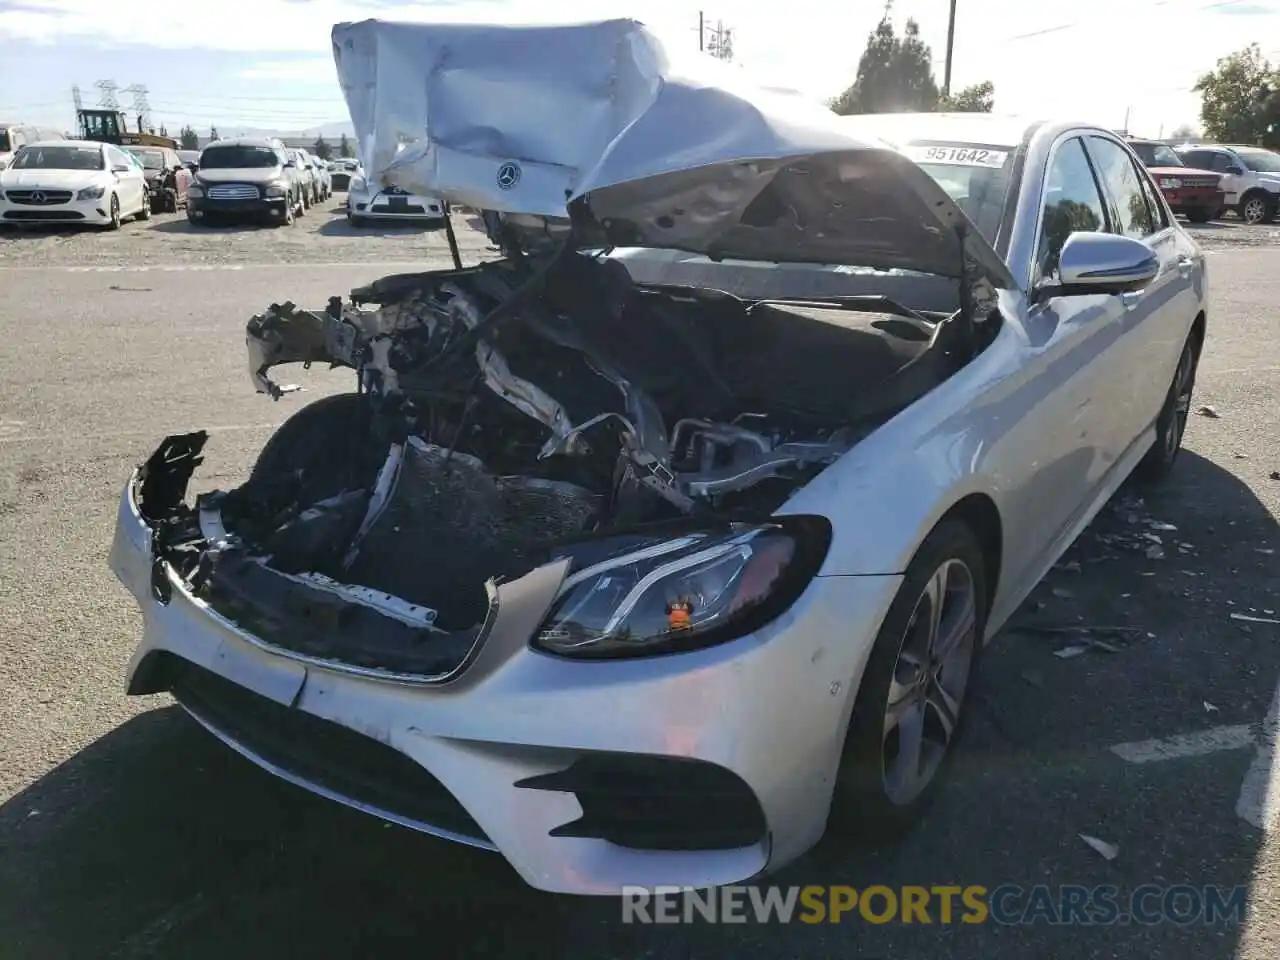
point(599, 124)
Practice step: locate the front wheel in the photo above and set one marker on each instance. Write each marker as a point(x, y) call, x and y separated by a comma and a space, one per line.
point(356, 222)
point(1199, 215)
point(910, 703)
point(144, 212)
point(1171, 424)
point(114, 212)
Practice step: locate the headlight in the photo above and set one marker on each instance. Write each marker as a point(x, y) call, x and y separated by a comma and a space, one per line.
point(356, 184)
point(1169, 184)
point(195, 189)
point(679, 594)
point(90, 193)
point(277, 188)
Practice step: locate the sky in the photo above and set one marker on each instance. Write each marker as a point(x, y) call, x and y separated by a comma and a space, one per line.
point(267, 63)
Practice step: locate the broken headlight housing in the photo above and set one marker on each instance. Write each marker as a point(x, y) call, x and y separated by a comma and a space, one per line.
point(684, 593)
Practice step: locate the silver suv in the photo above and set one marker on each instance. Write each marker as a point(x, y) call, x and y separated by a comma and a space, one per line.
point(1250, 177)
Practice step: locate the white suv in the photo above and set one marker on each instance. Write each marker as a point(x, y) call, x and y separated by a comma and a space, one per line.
point(1250, 177)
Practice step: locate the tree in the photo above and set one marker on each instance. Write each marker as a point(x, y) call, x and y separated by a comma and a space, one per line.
point(1185, 132)
point(322, 149)
point(894, 73)
point(979, 98)
point(189, 139)
point(1240, 99)
point(344, 147)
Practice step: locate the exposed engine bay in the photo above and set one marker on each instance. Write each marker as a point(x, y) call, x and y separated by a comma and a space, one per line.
point(515, 412)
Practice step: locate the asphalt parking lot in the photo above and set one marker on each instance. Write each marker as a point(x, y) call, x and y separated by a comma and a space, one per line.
point(126, 832)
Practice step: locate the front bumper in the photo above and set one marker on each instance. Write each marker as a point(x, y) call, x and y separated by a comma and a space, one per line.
point(1195, 198)
point(96, 212)
point(275, 208)
point(384, 206)
point(503, 756)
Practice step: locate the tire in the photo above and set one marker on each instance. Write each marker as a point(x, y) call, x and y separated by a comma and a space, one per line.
point(145, 212)
point(329, 432)
point(171, 201)
point(191, 217)
point(356, 222)
point(1171, 424)
point(288, 213)
point(114, 209)
point(1257, 206)
point(1199, 215)
point(873, 798)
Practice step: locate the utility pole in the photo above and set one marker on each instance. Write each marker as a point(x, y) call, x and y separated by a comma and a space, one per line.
point(951, 42)
point(702, 32)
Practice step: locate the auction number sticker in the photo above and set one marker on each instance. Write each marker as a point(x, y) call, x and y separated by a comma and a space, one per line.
point(959, 156)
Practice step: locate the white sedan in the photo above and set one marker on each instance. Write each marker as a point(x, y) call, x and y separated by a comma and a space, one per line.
point(659, 568)
point(370, 201)
point(73, 181)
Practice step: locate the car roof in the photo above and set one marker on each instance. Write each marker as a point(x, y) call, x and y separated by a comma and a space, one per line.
point(244, 142)
point(67, 143)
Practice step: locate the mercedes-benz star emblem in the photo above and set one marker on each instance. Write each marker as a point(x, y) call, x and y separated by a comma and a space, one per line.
point(508, 175)
point(37, 196)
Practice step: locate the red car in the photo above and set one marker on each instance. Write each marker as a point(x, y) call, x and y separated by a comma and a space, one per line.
point(1196, 194)
point(167, 177)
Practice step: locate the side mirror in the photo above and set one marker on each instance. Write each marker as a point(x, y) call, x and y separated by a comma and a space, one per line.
point(121, 168)
point(1101, 263)
point(1235, 171)
point(289, 164)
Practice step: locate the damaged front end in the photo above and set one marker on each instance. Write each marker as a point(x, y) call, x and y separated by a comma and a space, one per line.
point(517, 414)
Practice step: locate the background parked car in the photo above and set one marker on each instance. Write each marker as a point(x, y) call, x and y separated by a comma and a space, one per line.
point(341, 172)
point(306, 177)
point(191, 159)
point(73, 181)
point(167, 177)
point(324, 182)
point(245, 176)
point(1197, 195)
point(1250, 177)
point(13, 136)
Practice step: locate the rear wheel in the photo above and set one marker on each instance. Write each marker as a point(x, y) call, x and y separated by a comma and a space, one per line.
point(1172, 422)
point(1257, 206)
point(1199, 215)
point(910, 703)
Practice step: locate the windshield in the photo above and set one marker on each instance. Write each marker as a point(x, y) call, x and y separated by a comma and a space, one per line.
point(1260, 161)
point(151, 159)
point(238, 158)
point(1157, 155)
point(59, 158)
point(975, 176)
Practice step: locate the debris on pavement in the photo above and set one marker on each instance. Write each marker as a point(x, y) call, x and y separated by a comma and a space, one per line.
point(1275, 474)
point(1108, 851)
point(1074, 650)
point(1209, 707)
point(1062, 593)
point(1210, 412)
point(1248, 619)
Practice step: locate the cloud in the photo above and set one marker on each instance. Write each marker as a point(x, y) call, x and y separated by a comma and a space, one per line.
point(296, 70)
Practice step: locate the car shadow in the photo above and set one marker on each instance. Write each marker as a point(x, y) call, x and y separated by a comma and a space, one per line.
point(156, 840)
point(339, 227)
point(181, 225)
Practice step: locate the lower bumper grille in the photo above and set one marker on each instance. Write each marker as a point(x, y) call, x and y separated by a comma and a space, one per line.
point(325, 757)
point(40, 214)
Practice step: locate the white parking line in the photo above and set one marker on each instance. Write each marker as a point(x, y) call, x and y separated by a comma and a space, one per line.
point(1259, 801)
point(1186, 744)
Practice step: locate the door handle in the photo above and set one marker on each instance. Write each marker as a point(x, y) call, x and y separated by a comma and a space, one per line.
point(1184, 263)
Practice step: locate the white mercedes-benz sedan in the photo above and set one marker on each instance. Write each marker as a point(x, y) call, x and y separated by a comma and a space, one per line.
point(73, 181)
point(666, 544)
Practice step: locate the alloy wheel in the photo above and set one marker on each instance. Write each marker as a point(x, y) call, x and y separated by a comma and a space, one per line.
point(1183, 383)
point(926, 693)
point(1254, 210)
